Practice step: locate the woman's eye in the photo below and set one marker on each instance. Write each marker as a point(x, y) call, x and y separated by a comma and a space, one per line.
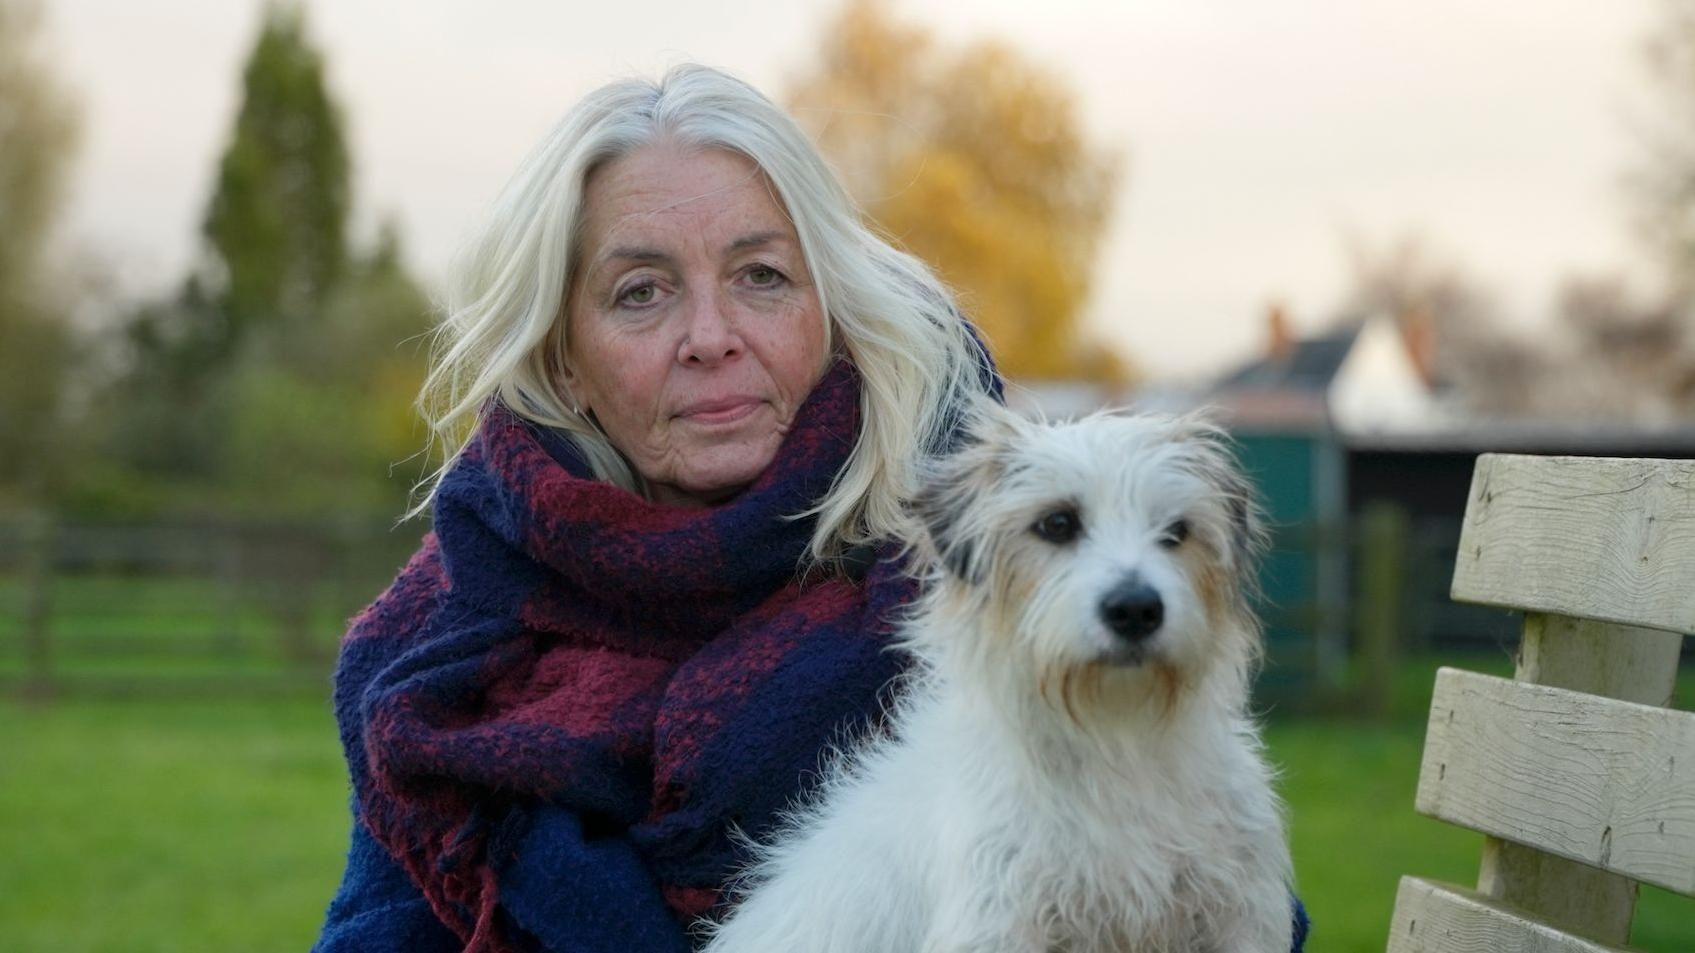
point(640, 294)
point(1058, 526)
point(1175, 534)
point(764, 276)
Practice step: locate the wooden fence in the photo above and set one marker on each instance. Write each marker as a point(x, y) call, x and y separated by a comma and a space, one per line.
point(183, 607)
point(124, 609)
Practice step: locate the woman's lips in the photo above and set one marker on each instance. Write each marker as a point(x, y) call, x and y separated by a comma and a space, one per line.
point(724, 411)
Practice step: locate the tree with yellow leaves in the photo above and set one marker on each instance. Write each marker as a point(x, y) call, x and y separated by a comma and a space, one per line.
point(38, 138)
point(975, 161)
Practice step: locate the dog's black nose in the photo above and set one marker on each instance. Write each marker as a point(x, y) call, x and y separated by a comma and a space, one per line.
point(1133, 610)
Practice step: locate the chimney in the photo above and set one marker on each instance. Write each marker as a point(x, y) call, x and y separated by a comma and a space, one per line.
point(1418, 332)
point(1280, 337)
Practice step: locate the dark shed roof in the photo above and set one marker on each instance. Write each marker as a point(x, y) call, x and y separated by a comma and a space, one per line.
point(1309, 367)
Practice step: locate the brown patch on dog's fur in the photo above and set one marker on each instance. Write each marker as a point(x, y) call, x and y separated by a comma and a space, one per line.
point(1170, 685)
point(1093, 676)
point(1079, 687)
point(1065, 691)
point(1211, 583)
point(1082, 687)
point(1044, 685)
point(1233, 632)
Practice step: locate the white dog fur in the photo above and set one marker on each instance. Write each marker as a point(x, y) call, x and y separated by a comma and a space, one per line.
point(1048, 782)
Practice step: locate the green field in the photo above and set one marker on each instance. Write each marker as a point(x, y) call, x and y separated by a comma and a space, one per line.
point(220, 826)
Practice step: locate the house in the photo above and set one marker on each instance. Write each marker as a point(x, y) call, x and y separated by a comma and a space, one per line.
point(1334, 423)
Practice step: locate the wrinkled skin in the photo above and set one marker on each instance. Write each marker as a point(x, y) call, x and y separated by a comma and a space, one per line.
point(695, 330)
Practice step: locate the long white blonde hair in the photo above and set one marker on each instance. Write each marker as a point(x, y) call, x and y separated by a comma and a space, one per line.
point(503, 330)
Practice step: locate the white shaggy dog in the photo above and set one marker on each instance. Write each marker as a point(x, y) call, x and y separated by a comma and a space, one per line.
point(1071, 768)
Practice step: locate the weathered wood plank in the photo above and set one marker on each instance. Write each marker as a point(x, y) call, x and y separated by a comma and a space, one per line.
point(1610, 784)
point(1439, 918)
point(1584, 901)
point(1623, 662)
point(1570, 540)
point(1598, 538)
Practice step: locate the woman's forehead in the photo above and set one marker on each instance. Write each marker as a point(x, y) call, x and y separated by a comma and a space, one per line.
point(668, 193)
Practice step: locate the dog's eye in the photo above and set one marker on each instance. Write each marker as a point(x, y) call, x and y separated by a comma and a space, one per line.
point(1059, 526)
point(1175, 534)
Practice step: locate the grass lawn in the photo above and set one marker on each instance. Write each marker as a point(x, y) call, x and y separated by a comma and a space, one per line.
point(1350, 793)
point(154, 826)
point(220, 826)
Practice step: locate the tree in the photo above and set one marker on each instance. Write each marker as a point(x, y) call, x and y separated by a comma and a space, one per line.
point(1633, 352)
point(274, 381)
point(1450, 321)
point(1613, 355)
point(38, 136)
point(1629, 357)
point(1663, 182)
point(322, 419)
point(276, 225)
point(275, 228)
point(975, 161)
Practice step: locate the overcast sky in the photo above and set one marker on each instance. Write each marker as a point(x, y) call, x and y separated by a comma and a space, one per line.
point(1258, 134)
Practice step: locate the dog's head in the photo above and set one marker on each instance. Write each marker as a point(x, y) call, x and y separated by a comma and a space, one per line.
point(1117, 547)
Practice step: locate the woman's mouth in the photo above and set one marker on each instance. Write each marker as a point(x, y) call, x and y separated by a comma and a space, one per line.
point(725, 410)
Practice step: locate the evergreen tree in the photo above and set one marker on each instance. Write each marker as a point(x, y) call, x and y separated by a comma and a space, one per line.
point(276, 226)
point(274, 382)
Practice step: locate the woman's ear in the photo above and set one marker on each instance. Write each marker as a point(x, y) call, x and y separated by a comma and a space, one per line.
point(559, 372)
point(569, 389)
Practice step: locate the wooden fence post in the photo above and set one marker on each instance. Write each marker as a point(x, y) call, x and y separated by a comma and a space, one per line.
point(228, 569)
point(38, 544)
point(1383, 567)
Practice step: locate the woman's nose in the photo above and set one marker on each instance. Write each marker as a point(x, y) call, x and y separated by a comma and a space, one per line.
point(709, 337)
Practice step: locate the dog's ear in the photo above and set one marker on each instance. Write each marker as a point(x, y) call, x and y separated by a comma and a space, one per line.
point(953, 483)
point(1217, 463)
point(1248, 534)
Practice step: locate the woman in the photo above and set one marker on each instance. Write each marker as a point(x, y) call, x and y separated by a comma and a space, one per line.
point(660, 576)
point(661, 573)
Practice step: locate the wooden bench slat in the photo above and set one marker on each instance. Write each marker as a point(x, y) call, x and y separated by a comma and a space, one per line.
point(1441, 918)
point(1625, 662)
point(1598, 538)
point(1607, 783)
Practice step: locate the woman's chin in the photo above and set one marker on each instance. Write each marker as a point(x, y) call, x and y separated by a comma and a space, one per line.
point(717, 474)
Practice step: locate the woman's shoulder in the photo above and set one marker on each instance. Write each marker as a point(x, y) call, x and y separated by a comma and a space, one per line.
point(412, 595)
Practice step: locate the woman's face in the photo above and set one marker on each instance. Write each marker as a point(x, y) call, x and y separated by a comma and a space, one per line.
point(695, 332)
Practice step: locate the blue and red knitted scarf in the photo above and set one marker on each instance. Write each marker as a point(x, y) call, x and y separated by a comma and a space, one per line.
point(633, 678)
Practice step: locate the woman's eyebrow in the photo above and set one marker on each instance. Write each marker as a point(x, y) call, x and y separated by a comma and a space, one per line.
point(630, 253)
point(754, 241)
point(644, 254)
